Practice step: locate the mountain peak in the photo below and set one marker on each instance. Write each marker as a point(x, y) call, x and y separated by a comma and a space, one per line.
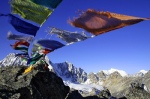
point(12, 60)
point(143, 71)
point(112, 70)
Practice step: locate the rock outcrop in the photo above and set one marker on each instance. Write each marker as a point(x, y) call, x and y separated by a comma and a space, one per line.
point(74, 94)
point(105, 94)
point(34, 85)
point(136, 91)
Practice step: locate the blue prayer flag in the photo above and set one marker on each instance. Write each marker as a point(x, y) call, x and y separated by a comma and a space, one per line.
point(22, 26)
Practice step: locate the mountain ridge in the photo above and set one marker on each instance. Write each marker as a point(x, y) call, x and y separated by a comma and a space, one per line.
point(11, 59)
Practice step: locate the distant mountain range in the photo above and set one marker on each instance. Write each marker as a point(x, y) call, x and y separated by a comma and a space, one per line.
point(115, 80)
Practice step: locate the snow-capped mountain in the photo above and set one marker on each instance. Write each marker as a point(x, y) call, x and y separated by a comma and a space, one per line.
point(112, 70)
point(141, 73)
point(69, 72)
point(97, 78)
point(12, 60)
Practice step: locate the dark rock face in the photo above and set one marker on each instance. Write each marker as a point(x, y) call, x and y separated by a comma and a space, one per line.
point(34, 85)
point(93, 97)
point(74, 94)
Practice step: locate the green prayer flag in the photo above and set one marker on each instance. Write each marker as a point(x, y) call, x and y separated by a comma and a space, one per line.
point(30, 11)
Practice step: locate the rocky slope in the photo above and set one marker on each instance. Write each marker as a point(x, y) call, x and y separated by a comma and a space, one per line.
point(136, 91)
point(118, 84)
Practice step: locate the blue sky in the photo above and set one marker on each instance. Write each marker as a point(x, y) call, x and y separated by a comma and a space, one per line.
point(127, 48)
